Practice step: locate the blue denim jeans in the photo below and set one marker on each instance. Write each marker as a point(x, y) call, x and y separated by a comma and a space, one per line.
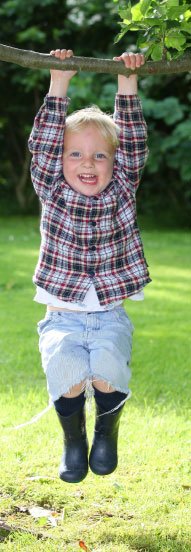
point(81, 346)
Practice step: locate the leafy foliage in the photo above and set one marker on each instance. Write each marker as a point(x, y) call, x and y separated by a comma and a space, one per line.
point(168, 170)
point(164, 27)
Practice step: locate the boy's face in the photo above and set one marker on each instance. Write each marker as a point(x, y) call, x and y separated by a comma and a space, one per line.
point(87, 160)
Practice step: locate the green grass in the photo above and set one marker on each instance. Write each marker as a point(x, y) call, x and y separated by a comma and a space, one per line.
point(145, 504)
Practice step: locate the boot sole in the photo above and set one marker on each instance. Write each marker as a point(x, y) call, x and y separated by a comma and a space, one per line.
point(69, 478)
point(102, 470)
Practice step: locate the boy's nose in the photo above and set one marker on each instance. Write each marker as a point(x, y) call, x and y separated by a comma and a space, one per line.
point(88, 161)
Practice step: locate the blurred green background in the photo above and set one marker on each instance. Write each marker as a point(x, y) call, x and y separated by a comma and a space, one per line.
point(90, 28)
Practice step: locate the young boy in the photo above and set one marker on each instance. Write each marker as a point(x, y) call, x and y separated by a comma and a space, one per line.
point(85, 169)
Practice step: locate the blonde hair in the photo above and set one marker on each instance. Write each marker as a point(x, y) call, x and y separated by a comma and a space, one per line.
point(94, 116)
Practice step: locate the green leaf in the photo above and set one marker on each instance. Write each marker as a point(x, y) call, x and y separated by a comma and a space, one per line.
point(175, 41)
point(186, 27)
point(187, 14)
point(136, 12)
point(160, 10)
point(176, 12)
point(157, 52)
point(142, 43)
point(120, 35)
point(152, 21)
point(149, 51)
point(136, 27)
point(126, 14)
point(145, 5)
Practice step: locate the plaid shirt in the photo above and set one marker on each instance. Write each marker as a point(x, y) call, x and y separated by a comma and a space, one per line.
point(94, 239)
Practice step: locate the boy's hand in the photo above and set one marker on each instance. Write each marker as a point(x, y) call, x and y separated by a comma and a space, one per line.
point(62, 54)
point(131, 61)
point(60, 79)
point(128, 85)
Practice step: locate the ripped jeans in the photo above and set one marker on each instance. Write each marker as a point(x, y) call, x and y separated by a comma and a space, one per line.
point(78, 346)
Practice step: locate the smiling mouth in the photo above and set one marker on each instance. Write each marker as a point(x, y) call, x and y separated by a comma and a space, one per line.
point(88, 178)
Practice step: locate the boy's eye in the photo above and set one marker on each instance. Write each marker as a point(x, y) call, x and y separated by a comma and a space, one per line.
point(75, 154)
point(100, 156)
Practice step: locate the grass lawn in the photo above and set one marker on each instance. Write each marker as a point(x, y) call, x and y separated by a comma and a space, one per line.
point(145, 504)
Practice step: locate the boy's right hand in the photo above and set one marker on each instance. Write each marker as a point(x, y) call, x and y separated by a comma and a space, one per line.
point(60, 79)
point(57, 75)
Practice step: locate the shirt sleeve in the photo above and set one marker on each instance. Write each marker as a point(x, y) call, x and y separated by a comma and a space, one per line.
point(132, 153)
point(46, 145)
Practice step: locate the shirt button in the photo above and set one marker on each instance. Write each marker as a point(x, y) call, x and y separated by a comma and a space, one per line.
point(93, 248)
point(93, 222)
point(91, 272)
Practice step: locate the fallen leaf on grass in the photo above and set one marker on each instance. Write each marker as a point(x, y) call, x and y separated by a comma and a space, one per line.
point(38, 511)
point(83, 546)
point(45, 516)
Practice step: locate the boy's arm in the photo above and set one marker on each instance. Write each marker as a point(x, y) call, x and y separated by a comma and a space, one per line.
point(46, 139)
point(132, 151)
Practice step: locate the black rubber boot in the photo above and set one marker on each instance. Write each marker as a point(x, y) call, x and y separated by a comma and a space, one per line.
point(103, 456)
point(74, 464)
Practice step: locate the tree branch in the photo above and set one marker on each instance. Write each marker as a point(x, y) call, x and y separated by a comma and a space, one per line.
point(36, 60)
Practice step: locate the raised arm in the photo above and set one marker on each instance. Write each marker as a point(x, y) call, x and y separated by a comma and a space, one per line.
point(132, 152)
point(47, 136)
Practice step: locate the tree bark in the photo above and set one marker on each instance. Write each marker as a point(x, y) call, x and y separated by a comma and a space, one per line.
point(36, 60)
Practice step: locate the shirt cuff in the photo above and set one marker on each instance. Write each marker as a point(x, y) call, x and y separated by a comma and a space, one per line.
point(127, 103)
point(53, 103)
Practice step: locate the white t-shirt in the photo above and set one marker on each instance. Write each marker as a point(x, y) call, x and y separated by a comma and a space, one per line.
point(90, 303)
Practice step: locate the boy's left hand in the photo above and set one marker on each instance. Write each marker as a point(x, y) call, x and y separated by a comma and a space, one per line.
point(128, 85)
point(131, 61)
